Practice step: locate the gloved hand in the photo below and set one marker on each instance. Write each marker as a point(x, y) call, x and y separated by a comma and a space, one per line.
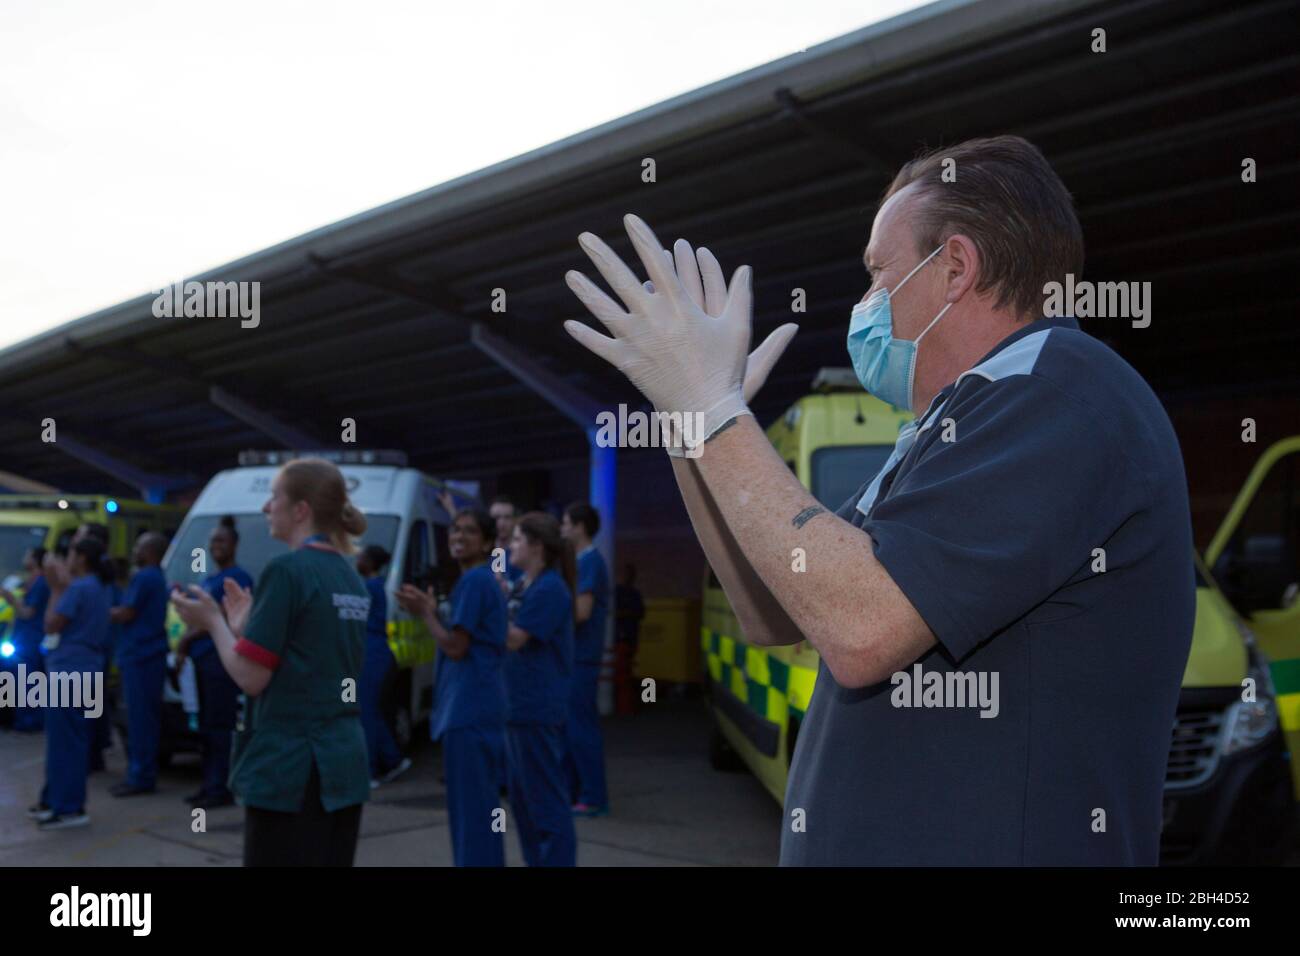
point(679, 356)
point(701, 275)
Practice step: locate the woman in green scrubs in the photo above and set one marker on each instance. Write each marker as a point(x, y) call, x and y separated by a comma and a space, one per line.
point(299, 763)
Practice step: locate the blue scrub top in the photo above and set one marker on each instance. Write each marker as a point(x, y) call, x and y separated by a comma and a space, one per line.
point(512, 573)
point(538, 674)
point(146, 635)
point(29, 633)
point(471, 692)
point(377, 618)
point(1057, 446)
point(593, 579)
point(215, 584)
point(83, 642)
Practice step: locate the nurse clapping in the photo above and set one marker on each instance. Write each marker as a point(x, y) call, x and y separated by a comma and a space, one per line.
point(300, 765)
point(538, 672)
point(469, 697)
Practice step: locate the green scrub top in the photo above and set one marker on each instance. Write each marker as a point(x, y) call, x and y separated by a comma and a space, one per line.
point(308, 624)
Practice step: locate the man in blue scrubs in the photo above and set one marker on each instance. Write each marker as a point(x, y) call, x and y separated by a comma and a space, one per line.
point(585, 757)
point(142, 660)
point(1003, 613)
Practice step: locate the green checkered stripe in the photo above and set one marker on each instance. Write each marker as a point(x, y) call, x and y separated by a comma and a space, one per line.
point(770, 687)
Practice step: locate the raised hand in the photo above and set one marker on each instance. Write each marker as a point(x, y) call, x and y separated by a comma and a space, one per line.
point(681, 358)
point(237, 602)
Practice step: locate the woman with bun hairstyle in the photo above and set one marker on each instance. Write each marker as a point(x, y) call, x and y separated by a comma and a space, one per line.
point(218, 695)
point(386, 760)
point(78, 613)
point(299, 762)
point(538, 673)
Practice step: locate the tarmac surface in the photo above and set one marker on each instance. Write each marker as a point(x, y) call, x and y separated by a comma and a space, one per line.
point(669, 808)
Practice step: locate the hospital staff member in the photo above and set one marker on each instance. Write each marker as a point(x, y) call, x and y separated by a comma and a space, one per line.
point(386, 760)
point(299, 763)
point(585, 757)
point(142, 661)
point(218, 694)
point(469, 694)
point(1028, 541)
point(77, 616)
point(538, 671)
point(29, 629)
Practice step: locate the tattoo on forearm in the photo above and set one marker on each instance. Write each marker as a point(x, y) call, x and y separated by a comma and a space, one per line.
point(722, 428)
point(803, 517)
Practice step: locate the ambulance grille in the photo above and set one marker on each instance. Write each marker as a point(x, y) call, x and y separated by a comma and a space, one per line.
point(1194, 753)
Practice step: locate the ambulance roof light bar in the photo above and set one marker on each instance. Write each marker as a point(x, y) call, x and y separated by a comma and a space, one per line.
point(48, 503)
point(338, 456)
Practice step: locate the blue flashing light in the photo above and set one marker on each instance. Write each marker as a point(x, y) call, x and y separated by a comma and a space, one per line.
point(7, 649)
point(110, 506)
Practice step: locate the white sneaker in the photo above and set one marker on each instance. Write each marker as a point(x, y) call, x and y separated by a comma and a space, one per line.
point(65, 821)
point(397, 771)
point(39, 812)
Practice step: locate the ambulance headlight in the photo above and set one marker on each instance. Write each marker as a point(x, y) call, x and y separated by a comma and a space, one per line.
point(1250, 722)
point(7, 649)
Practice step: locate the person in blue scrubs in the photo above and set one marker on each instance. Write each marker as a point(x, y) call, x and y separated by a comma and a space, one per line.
point(585, 759)
point(469, 695)
point(142, 660)
point(101, 727)
point(386, 760)
point(78, 613)
point(29, 630)
point(218, 694)
point(538, 672)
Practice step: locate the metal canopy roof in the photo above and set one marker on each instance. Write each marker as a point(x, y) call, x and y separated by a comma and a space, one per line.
point(779, 167)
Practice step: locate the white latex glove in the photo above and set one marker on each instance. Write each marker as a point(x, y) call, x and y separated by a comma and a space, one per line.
point(681, 358)
point(701, 275)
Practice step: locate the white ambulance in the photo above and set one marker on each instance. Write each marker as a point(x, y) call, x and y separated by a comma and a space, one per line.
point(403, 516)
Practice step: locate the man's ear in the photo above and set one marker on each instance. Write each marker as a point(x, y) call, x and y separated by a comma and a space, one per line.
point(961, 264)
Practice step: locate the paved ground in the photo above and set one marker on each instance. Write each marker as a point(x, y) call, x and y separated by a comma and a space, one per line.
point(670, 808)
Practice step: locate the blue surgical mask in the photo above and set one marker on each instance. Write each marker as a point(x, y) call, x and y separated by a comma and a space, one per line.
point(885, 365)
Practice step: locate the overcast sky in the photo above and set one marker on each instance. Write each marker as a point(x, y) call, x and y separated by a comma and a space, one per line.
point(141, 142)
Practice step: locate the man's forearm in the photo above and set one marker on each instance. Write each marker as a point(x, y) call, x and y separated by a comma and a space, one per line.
point(761, 617)
point(817, 566)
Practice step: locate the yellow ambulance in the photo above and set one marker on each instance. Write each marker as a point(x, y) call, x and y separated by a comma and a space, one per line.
point(1233, 776)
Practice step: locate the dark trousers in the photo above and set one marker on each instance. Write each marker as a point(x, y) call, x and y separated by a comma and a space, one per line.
point(472, 759)
point(584, 759)
point(218, 708)
point(67, 739)
point(539, 799)
point(142, 682)
point(376, 673)
point(311, 837)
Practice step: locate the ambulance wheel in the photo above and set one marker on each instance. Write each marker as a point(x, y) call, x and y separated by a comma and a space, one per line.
point(722, 756)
